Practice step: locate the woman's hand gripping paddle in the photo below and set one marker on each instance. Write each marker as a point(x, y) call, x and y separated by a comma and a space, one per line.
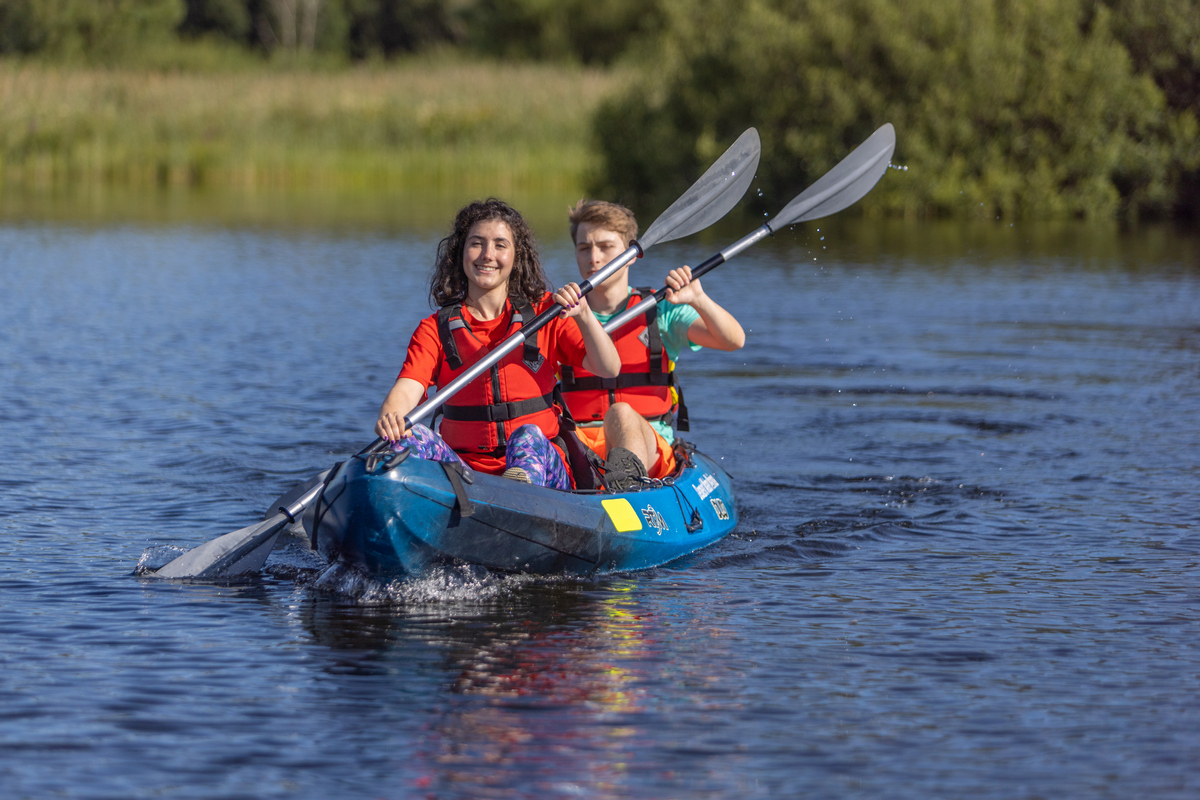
point(711, 197)
point(841, 187)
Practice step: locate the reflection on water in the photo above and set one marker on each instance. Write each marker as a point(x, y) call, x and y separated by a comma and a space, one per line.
point(350, 212)
point(965, 464)
point(551, 688)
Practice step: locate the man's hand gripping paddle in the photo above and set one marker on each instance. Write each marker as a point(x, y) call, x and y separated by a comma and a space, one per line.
point(841, 187)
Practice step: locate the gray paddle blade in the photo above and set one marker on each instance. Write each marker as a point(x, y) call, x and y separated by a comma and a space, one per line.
point(845, 184)
point(228, 556)
point(710, 198)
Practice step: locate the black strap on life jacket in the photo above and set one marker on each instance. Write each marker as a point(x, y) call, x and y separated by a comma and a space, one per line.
point(449, 319)
point(533, 357)
point(498, 412)
point(682, 423)
point(629, 380)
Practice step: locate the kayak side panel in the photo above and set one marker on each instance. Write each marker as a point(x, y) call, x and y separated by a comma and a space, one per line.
point(408, 519)
point(513, 526)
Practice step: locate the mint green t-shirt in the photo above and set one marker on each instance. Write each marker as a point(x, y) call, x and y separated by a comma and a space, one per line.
point(673, 322)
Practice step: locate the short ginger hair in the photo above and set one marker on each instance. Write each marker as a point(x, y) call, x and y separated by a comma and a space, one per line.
point(616, 218)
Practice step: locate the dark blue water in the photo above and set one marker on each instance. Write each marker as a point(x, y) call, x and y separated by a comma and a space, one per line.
point(966, 461)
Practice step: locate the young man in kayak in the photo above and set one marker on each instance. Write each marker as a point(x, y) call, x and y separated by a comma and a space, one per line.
point(627, 421)
point(487, 282)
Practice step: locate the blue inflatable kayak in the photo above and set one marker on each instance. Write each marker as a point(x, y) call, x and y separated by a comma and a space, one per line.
point(395, 515)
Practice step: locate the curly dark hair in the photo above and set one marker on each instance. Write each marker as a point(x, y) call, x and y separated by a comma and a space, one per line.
point(449, 283)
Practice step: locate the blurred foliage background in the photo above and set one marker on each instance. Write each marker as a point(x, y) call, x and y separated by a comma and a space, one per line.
point(1003, 108)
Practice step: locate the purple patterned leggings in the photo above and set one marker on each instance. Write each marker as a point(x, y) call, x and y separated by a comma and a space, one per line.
point(528, 448)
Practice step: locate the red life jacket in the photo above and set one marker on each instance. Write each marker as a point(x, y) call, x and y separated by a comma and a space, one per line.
point(647, 379)
point(518, 390)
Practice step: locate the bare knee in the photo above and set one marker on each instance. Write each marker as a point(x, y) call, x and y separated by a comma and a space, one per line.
point(625, 427)
point(622, 415)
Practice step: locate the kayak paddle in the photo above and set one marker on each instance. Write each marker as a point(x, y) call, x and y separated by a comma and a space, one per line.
point(841, 187)
point(707, 200)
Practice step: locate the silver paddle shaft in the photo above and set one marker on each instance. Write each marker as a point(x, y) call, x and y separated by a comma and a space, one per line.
point(846, 183)
point(297, 507)
point(712, 263)
point(427, 409)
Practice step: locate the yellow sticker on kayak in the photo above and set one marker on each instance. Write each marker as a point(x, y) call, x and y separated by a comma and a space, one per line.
point(622, 515)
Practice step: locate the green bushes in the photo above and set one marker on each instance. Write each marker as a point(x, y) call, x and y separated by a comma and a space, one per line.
point(583, 31)
point(73, 29)
point(588, 31)
point(1163, 38)
point(1013, 108)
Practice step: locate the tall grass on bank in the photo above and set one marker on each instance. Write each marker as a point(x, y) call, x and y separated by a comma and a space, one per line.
point(434, 122)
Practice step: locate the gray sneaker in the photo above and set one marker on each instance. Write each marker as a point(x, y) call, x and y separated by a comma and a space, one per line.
point(623, 471)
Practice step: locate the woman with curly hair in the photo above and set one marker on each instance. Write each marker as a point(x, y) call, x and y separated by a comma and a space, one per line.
point(488, 282)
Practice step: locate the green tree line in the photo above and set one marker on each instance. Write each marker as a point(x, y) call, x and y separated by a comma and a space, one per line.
point(106, 30)
point(1003, 108)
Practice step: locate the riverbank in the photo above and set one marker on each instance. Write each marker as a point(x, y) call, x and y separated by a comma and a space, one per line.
point(438, 122)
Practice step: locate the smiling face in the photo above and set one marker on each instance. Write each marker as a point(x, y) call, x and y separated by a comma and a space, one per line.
point(596, 246)
point(488, 256)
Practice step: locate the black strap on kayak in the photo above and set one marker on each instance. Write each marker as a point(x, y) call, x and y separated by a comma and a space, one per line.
point(318, 511)
point(458, 476)
point(584, 463)
point(683, 454)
